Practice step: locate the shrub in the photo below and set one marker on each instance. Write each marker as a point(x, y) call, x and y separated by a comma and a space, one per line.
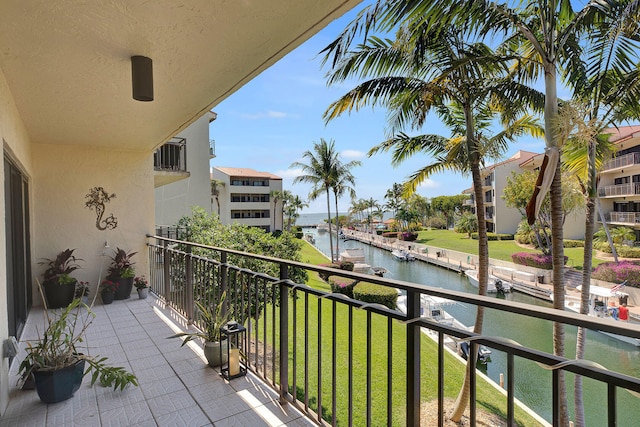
point(628, 251)
point(391, 234)
point(325, 275)
point(342, 285)
point(346, 265)
point(298, 234)
point(438, 223)
point(618, 273)
point(535, 260)
point(573, 243)
point(408, 236)
point(494, 236)
point(369, 292)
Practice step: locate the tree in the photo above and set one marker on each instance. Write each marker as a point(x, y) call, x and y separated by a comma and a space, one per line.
point(320, 172)
point(394, 198)
point(293, 207)
point(341, 181)
point(467, 223)
point(216, 184)
point(276, 196)
point(424, 71)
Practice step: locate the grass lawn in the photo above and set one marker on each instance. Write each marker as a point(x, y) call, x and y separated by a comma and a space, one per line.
point(502, 249)
point(321, 312)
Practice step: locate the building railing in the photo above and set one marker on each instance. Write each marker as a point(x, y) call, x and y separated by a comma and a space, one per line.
point(296, 354)
point(622, 161)
point(212, 148)
point(172, 156)
point(629, 189)
point(625, 217)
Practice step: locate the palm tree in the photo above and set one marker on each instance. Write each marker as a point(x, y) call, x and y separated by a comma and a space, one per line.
point(294, 205)
point(320, 173)
point(276, 196)
point(215, 191)
point(394, 198)
point(547, 36)
point(340, 185)
point(438, 70)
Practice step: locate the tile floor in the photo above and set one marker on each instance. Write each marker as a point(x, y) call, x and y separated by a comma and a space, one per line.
point(176, 387)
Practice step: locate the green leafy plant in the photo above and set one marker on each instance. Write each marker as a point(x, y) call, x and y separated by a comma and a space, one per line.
point(122, 264)
point(140, 282)
point(109, 286)
point(82, 289)
point(59, 269)
point(57, 348)
point(210, 320)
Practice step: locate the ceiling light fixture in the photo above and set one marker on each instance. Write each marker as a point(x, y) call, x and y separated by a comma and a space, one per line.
point(142, 78)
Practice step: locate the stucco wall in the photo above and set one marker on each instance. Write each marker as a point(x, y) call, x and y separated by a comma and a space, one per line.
point(63, 176)
point(15, 143)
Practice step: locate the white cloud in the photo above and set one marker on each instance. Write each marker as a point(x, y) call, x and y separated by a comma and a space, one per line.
point(289, 173)
point(353, 154)
point(429, 183)
point(269, 114)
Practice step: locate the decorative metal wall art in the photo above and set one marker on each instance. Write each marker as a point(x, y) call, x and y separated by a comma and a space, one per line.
point(96, 200)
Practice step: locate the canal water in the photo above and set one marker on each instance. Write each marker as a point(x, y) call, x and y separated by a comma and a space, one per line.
point(532, 383)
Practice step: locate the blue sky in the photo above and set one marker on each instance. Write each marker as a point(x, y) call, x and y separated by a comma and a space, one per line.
point(272, 120)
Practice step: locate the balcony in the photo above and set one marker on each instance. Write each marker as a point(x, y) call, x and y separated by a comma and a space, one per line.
point(629, 218)
point(620, 190)
point(170, 162)
point(621, 162)
point(212, 149)
point(293, 333)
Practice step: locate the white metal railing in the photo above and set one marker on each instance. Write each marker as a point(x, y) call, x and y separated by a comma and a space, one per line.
point(629, 189)
point(625, 217)
point(622, 161)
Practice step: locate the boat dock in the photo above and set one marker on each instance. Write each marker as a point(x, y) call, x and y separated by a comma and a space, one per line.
point(521, 281)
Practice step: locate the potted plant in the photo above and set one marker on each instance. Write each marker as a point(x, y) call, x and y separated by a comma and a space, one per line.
point(121, 270)
point(82, 292)
point(142, 286)
point(108, 290)
point(56, 363)
point(211, 319)
point(59, 286)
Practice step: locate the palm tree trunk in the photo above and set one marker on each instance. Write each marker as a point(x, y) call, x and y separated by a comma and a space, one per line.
point(483, 261)
point(606, 231)
point(337, 227)
point(557, 249)
point(330, 234)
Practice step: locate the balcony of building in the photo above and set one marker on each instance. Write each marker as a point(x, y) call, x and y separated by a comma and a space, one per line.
point(212, 149)
point(620, 190)
point(626, 160)
point(624, 218)
point(294, 333)
point(170, 162)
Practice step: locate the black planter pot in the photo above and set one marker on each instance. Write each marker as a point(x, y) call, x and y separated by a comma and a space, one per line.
point(56, 386)
point(107, 297)
point(57, 295)
point(125, 284)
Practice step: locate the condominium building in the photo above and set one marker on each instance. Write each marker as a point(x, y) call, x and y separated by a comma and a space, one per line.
point(619, 186)
point(244, 196)
point(181, 172)
point(499, 217)
point(503, 219)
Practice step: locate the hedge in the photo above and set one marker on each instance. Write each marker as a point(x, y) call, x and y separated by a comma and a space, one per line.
point(622, 250)
point(391, 234)
point(618, 273)
point(342, 285)
point(568, 243)
point(369, 292)
point(494, 236)
point(535, 260)
point(407, 236)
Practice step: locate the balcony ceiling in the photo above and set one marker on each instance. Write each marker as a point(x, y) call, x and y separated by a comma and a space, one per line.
point(67, 62)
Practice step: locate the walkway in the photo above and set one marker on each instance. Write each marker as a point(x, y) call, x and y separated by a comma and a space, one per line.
point(177, 388)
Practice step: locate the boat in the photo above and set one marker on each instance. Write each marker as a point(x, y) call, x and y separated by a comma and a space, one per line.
point(483, 356)
point(495, 285)
point(599, 306)
point(323, 227)
point(379, 271)
point(402, 255)
point(310, 237)
point(354, 255)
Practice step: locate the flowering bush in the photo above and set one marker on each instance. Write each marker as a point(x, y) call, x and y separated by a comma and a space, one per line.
point(342, 285)
point(618, 273)
point(108, 286)
point(325, 275)
point(535, 260)
point(140, 282)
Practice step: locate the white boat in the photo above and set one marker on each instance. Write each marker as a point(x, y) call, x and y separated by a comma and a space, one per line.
point(323, 227)
point(354, 255)
point(495, 285)
point(310, 237)
point(402, 255)
point(599, 299)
